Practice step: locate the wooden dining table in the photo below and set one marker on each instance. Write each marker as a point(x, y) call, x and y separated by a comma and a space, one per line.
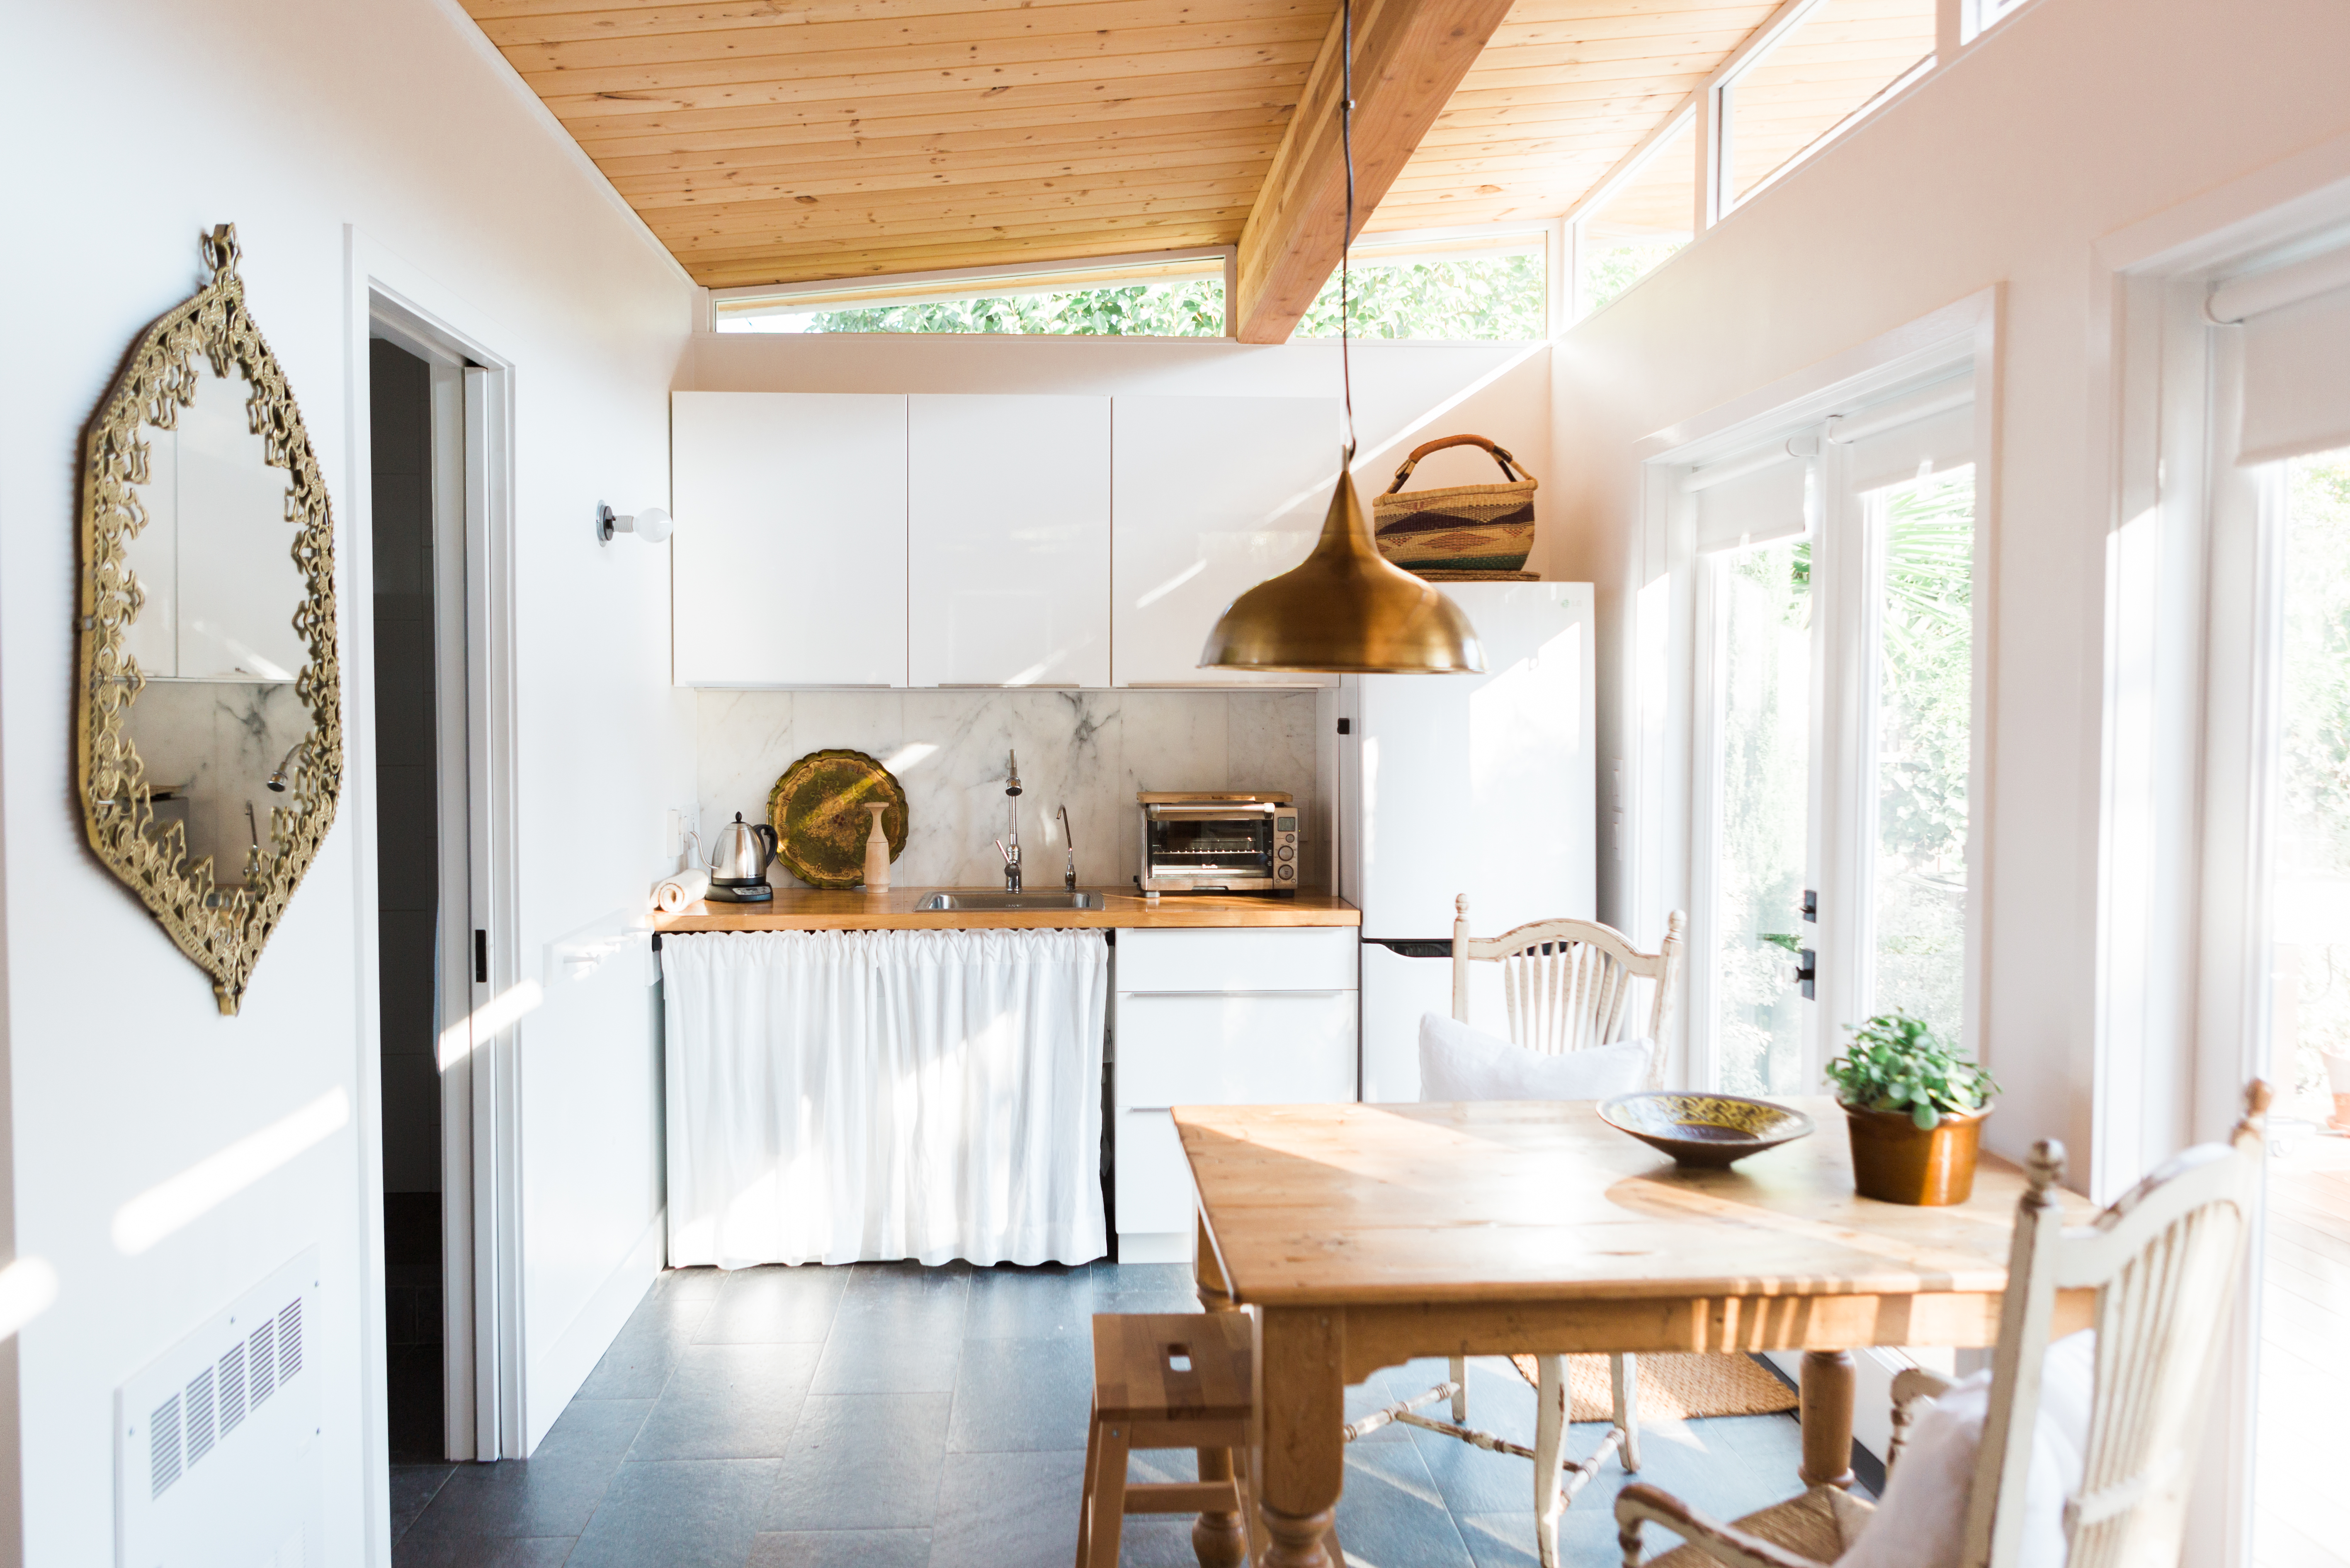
point(1366, 1236)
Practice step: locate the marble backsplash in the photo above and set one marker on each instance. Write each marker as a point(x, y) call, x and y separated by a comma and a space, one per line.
point(1089, 751)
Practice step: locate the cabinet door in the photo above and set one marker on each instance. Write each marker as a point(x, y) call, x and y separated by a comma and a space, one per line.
point(1210, 497)
point(1009, 500)
point(1320, 958)
point(789, 559)
point(1283, 1048)
point(1154, 1180)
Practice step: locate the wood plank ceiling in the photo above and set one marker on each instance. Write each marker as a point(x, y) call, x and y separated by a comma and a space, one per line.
point(772, 140)
point(782, 140)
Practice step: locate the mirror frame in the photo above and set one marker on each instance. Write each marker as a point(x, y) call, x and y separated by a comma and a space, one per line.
point(223, 931)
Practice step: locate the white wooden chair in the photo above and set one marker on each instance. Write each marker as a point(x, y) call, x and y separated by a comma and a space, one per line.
point(1566, 985)
point(2165, 1262)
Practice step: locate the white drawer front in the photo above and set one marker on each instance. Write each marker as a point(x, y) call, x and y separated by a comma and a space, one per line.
point(1323, 958)
point(1264, 1049)
point(1154, 1184)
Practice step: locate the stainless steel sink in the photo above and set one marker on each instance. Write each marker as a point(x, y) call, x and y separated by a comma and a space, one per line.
point(1040, 901)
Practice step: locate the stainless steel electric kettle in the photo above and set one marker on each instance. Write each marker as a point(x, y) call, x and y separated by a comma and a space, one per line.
point(739, 861)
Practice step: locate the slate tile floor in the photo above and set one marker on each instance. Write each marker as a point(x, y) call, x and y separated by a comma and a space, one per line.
point(887, 1416)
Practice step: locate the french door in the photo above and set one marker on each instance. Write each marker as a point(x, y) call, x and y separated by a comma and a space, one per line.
point(1835, 701)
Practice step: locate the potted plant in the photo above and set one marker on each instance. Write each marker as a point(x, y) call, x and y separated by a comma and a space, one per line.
point(1915, 1109)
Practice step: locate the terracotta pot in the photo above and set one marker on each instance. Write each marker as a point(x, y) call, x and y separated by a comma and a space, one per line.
point(1894, 1162)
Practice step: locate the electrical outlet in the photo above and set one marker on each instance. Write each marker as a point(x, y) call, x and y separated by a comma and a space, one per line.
point(676, 823)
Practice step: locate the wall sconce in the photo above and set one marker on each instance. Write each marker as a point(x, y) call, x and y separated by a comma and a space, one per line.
point(652, 524)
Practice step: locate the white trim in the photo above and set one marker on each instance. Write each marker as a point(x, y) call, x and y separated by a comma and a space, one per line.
point(2249, 294)
point(354, 586)
point(504, 69)
point(377, 284)
point(2190, 677)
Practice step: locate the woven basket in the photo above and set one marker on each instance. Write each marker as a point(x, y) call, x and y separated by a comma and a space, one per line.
point(1463, 528)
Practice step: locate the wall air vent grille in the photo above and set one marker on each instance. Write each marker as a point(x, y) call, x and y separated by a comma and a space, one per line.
point(181, 1431)
point(198, 1410)
point(232, 1388)
point(289, 1340)
point(163, 1445)
point(217, 1456)
point(261, 1365)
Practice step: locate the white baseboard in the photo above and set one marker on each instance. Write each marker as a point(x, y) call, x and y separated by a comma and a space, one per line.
point(557, 1374)
point(1154, 1246)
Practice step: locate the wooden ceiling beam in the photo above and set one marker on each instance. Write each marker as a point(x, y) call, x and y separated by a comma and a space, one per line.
point(1410, 55)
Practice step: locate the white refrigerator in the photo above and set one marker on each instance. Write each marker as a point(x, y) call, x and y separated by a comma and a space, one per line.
point(1481, 784)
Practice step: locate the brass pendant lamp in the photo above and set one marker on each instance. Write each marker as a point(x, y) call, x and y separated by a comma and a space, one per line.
point(1345, 608)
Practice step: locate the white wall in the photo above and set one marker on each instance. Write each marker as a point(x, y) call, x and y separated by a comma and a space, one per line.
point(135, 126)
point(2068, 122)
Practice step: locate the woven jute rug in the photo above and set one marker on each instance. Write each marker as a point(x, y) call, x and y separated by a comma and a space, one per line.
point(1672, 1388)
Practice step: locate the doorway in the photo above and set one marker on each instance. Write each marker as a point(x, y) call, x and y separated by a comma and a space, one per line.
point(424, 925)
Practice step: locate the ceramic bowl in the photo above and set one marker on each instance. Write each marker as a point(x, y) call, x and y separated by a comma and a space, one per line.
point(1707, 1131)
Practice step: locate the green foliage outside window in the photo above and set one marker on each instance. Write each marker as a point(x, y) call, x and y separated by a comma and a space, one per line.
point(1476, 298)
point(1488, 297)
point(1192, 308)
point(2313, 833)
point(1610, 269)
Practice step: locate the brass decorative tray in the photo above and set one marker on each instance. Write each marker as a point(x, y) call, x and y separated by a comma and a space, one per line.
point(817, 810)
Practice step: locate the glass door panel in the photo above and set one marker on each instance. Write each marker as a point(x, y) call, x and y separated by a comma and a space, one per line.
point(2301, 1516)
point(1925, 695)
point(1763, 732)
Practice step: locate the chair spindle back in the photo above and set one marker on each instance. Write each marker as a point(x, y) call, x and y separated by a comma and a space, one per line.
point(1569, 984)
point(2166, 1262)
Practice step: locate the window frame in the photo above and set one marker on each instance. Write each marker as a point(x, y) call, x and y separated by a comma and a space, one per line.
point(971, 283)
point(1719, 173)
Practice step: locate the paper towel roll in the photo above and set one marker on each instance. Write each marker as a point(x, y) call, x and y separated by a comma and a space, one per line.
point(686, 888)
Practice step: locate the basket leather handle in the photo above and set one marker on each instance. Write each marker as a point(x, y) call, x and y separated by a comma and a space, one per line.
point(1501, 455)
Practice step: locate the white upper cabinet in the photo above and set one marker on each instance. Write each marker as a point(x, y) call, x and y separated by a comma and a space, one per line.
point(789, 559)
point(1009, 500)
point(1210, 496)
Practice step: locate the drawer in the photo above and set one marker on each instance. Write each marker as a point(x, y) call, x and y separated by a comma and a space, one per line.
point(1323, 958)
point(1154, 1180)
point(1266, 1048)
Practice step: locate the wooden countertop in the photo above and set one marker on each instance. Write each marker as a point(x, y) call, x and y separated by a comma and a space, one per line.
point(807, 909)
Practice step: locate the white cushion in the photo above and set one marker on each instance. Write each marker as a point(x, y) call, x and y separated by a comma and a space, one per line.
point(1922, 1520)
point(1458, 1063)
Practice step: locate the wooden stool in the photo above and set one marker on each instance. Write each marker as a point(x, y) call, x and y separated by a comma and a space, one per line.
point(1165, 1380)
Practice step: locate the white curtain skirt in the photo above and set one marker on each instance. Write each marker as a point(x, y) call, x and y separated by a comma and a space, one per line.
point(837, 1096)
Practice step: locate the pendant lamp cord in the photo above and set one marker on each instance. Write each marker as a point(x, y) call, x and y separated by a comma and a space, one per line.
point(1346, 239)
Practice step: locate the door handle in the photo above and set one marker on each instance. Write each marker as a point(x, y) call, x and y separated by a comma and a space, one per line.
point(1806, 970)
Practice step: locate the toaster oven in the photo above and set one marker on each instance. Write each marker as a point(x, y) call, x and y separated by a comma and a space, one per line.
point(1212, 842)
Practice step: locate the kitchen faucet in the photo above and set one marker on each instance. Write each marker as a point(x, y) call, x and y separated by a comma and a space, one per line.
point(1011, 852)
point(1069, 876)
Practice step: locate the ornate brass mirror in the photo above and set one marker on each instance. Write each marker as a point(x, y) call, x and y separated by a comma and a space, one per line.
point(209, 710)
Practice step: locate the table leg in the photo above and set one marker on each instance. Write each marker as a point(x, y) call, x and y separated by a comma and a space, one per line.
point(1219, 1540)
point(1301, 1407)
point(1828, 1382)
